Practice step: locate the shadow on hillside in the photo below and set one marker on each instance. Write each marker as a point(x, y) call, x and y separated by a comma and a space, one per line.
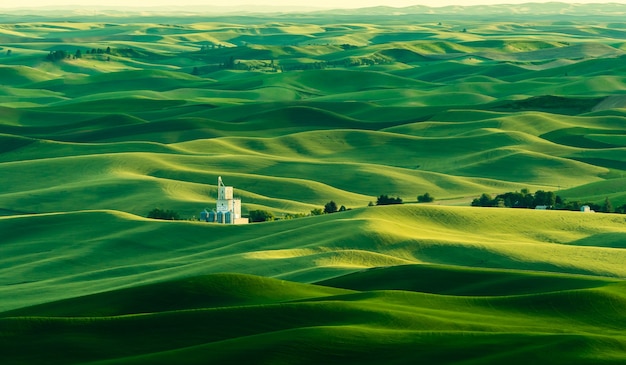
point(609, 240)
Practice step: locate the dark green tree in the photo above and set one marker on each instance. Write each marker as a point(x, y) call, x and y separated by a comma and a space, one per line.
point(230, 63)
point(260, 216)
point(55, 56)
point(558, 201)
point(293, 216)
point(386, 200)
point(157, 213)
point(607, 207)
point(571, 205)
point(317, 211)
point(541, 197)
point(330, 207)
point(426, 198)
point(485, 200)
point(78, 54)
point(521, 199)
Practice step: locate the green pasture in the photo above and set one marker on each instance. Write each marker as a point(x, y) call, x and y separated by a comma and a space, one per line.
point(296, 110)
point(250, 318)
point(78, 253)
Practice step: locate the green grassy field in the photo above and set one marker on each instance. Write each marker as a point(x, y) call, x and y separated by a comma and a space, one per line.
point(295, 111)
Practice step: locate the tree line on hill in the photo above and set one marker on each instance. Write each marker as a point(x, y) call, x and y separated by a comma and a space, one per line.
point(209, 53)
point(260, 215)
point(387, 200)
point(231, 63)
point(164, 214)
point(547, 199)
point(59, 55)
point(332, 207)
point(265, 216)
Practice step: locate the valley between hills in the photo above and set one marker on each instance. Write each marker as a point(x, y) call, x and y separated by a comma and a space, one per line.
point(105, 117)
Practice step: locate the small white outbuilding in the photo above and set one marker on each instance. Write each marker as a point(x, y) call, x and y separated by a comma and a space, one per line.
point(586, 209)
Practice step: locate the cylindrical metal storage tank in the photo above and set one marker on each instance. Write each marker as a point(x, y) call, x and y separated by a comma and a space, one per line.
point(228, 218)
point(220, 217)
point(204, 216)
point(212, 217)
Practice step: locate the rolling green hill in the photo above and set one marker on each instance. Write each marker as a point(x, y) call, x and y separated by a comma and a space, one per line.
point(104, 118)
point(266, 320)
point(102, 248)
point(433, 278)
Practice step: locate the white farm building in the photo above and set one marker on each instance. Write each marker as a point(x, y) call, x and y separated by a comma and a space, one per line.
point(227, 208)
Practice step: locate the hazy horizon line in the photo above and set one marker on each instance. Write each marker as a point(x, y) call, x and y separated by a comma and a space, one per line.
point(292, 7)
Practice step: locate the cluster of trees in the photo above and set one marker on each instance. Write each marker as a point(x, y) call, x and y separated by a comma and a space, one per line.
point(348, 46)
point(345, 62)
point(387, 200)
point(59, 55)
point(521, 199)
point(231, 63)
point(426, 198)
point(525, 199)
point(329, 208)
point(361, 61)
point(300, 66)
point(621, 209)
point(157, 213)
point(206, 47)
point(99, 51)
point(295, 216)
point(54, 56)
point(260, 216)
point(265, 216)
point(332, 207)
point(321, 65)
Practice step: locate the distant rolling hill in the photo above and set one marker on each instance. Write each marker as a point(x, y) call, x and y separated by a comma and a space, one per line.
point(106, 116)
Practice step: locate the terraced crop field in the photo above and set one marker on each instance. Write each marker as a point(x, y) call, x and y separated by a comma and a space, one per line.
point(104, 118)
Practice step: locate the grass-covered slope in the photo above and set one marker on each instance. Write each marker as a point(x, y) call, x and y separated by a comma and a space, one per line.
point(71, 254)
point(239, 318)
point(397, 109)
point(104, 119)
